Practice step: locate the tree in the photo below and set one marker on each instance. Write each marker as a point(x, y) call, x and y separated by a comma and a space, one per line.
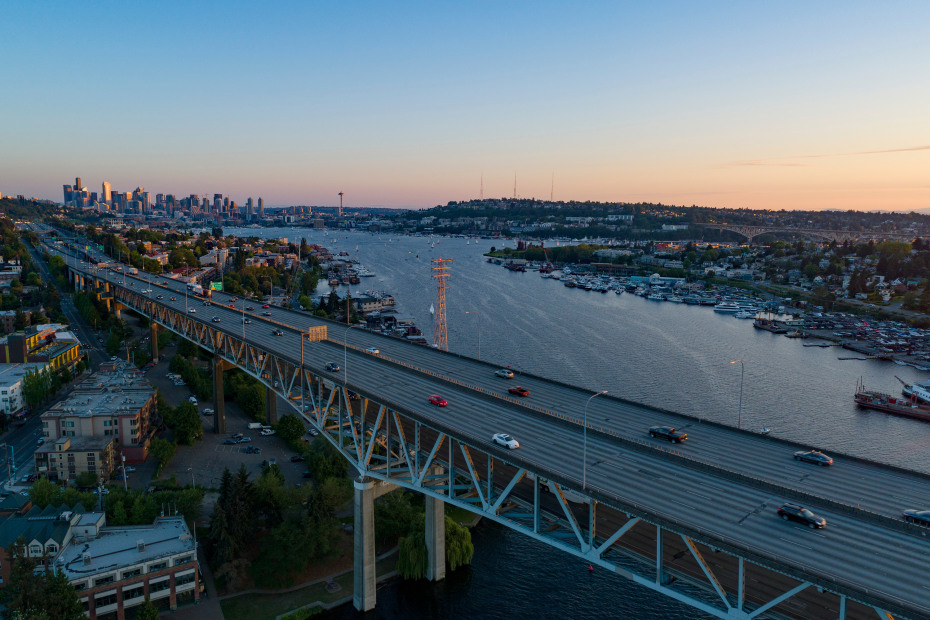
point(187, 425)
point(33, 595)
point(19, 321)
point(147, 611)
point(113, 343)
point(36, 386)
point(290, 428)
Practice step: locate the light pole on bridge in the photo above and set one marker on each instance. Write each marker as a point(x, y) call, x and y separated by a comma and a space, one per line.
point(584, 458)
point(345, 355)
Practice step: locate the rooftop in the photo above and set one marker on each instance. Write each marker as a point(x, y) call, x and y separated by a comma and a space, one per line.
point(118, 547)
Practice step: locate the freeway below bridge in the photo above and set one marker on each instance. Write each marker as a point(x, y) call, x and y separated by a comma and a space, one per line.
point(587, 478)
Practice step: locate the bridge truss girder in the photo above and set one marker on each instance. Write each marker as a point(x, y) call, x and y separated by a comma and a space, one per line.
point(383, 441)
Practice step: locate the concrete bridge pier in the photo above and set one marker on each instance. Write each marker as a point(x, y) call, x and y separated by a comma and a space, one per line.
point(219, 415)
point(154, 328)
point(435, 535)
point(118, 309)
point(365, 579)
point(271, 406)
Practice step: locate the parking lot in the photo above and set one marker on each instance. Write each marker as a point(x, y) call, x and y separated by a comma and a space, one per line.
point(206, 459)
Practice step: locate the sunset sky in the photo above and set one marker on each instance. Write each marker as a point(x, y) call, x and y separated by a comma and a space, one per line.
point(762, 105)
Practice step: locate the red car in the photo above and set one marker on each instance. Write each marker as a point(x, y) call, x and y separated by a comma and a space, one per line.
point(266, 306)
point(438, 400)
point(232, 305)
point(519, 391)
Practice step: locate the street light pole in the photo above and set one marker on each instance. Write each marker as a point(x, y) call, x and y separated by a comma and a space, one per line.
point(742, 369)
point(345, 356)
point(584, 458)
point(479, 331)
point(193, 484)
point(125, 484)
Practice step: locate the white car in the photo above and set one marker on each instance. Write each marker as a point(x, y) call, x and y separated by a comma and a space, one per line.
point(504, 373)
point(503, 439)
point(208, 411)
point(373, 350)
point(192, 310)
point(192, 399)
point(267, 431)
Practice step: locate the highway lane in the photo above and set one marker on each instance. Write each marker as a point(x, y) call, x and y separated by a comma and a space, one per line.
point(894, 555)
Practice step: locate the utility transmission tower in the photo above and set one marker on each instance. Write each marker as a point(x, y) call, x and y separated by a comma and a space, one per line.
point(441, 272)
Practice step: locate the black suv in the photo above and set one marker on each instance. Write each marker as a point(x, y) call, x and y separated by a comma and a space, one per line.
point(794, 512)
point(667, 432)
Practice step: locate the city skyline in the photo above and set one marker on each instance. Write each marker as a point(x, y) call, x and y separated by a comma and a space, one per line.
point(745, 106)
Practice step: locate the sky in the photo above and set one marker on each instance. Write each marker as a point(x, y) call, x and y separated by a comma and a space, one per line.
point(762, 105)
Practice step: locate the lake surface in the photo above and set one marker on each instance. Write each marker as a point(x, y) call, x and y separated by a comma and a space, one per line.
point(668, 355)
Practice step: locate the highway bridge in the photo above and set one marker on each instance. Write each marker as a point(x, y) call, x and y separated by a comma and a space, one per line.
point(695, 521)
point(819, 234)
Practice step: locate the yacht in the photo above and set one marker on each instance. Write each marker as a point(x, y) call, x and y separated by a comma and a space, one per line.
point(919, 391)
point(745, 314)
point(727, 307)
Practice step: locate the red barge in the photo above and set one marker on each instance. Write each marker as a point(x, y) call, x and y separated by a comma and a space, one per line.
point(890, 404)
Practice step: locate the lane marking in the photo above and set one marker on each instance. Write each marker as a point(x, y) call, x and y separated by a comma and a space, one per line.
point(796, 543)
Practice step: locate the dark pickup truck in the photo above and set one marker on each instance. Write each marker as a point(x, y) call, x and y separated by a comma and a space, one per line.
point(667, 432)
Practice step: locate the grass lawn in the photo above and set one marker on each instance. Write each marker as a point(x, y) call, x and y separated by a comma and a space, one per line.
point(269, 606)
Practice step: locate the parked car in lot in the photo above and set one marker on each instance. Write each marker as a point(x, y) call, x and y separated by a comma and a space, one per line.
point(208, 411)
point(297, 459)
point(253, 450)
point(373, 350)
point(245, 439)
point(668, 433)
point(519, 391)
point(230, 442)
point(267, 431)
point(308, 474)
point(920, 517)
point(332, 367)
point(503, 439)
point(439, 401)
point(813, 456)
point(504, 373)
point(238, 436)
point(800, 514)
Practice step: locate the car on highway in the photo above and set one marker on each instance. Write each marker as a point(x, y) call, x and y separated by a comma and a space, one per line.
point(668, 433)
point(215, 319)
point(206, 303)
point(266, 314)
point(920, 517)
point(247, 321)
point(235, 298)
point(192, 310)
point(249, 308)
point(504, 373)
point(265, 306)
point(373, 351)
point(813, 456)
point(232, 305)
point(800, 514)
point(148, 290)
point(174, 299)
point(313, 432)
point(519, 391)
point(277, 332)
point(160, 297)
point(503, 439)
point(439, 401)
point(332, 367)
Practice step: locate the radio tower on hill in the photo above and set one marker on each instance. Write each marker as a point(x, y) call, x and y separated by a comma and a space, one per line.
point(441, 272)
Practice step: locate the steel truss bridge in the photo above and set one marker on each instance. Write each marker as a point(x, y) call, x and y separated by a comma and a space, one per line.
point(820, 234)
point(695, 522)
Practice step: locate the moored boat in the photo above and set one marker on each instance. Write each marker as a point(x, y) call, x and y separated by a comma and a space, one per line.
point(889, 404)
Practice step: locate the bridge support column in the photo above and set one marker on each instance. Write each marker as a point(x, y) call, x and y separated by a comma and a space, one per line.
point(219, 416)
point(271, 406)
point(154, 328)
point(117, 309)
point(365, 577)
point(435, 539)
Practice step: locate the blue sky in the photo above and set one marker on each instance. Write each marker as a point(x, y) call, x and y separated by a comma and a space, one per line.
point(760, 105)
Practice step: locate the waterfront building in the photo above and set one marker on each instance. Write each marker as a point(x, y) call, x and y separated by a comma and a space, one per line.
point(115, 402)
point(113, 568)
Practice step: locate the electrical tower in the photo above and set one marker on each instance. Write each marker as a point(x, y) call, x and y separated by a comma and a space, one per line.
point(441, 272)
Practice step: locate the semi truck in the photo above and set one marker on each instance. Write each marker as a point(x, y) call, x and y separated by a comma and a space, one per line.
point(200, 291)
